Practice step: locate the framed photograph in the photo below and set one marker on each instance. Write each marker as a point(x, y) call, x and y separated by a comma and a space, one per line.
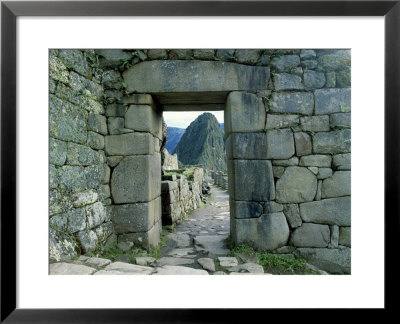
point(287, 91)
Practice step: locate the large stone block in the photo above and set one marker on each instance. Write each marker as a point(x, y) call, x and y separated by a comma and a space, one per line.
point(303, 144)
point(338, 185)
point(136, 179)
point(284, 63)
point(315, 123)
point(332, 211)
point(246, 209)
point(134, 218)
point(332, 142)
point(296, 185)
point(245, 112)
point(322, 161)
point(57, 151)
point(129, 144)
point(88, 240)
point(76, 220)
point(75, 60)
point(335, 60)
point(341, 120)
point(144, 118)
point(252, 180)
point(313, 79)
point(82, 155)
point(292, 214)
point(293, 102)
point(267, 232)
point(97, 123)
point(274, 144)
point(311, 235)
point(286, 81)
point(96, 215)
point(345, 236)
point(329, 101)
point(61, 246)
point(342, 161)
point(147, 240)
point(72, 178)
point(281, 121)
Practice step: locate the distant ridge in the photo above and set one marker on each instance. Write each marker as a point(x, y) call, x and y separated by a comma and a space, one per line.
point(174, 135)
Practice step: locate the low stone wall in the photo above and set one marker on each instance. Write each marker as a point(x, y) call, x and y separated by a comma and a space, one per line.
point(220, 179)
point(180, 195)
point(170, 161)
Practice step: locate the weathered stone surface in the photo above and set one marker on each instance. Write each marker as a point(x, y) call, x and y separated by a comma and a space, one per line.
point(292, 214)
point(104, 192)
point(76, 220)
point(272, 207)
point(334, 241)
point(129, 144)
point(332, 142)
point(328, 101)
point(157, 54)
point(83, 85)
point(72, 178)
point(319, 192)
point(182, 252)
point(225, 54)
point(95, 140)
point(180, 54)
point(296, 185)
point(303, 144)
point(194, 76)
point(97, 123)
point(338, 185)
point(214, 245)
point(246, 209)
point(207, 264)
point(178, 270)
point(57, 151)
point(63, 268)
point(88, 240)
point(147, 240)
point(104, 232)
point(144, 118)
point(341, 120)
point(313, 79)
point(278, 171)
point(251, 268)
point(97, 262)
point(114, 160)
point(245, 112)
point(331, 260)
point(111, 79)
point(128, 268)
point(144, 261)
point(291, 162)
point(330, 79)
point(294, 102)
point(139, 217)
point(336, 60)
point(324, 173)
point(227, 261)
point(315, 123)
point(58, 202)
point(57, 69)
point(82, 155)
point(247, 56)
point(116, 110)
point(274, 144)
point(316, 160)
point(53, 177)
point(59, 222)
point(313, 170)
point(113, 57)
point(203, 54)
point(281, 121)
point(75, 60)
point(311, 235)
point(61, 246)
point(97, 175)
point(309, 64)
point(307, 54)
point(284, 63)
point(343, 78)
point(345, 236)
point(116, 126)
point(171, 261)
point(253, 180)
point(332, 211)
point(286, 81)
point(342, 161)
point(96, 214)
point(136, 179)
point(268, 232)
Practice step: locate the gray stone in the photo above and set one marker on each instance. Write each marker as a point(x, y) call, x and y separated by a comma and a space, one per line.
point(144, 118)
point(72, 178)
point(148, 240)
point(284, 63)
point(95, 140)
point(319, 191)
point(313, 170)
point(303, 144)
point(139, 217)
point(246, 180)
point(336, 60)
point(75, 60)
point(343, 78)
point(309, 64)
point(180, 54)
point(97, 262)
point(97, 175)
point(97, 123)
point(268, 232)
point(182, 252)
point(345, 236)
point(178, 270)
point(296, 185)
point(85, 86)
point(313, 79)
point(114, 160)
point(334, 242)
point(246, 209)
point(76, 220)
point(329, 101)
point(245, 112)
point(57, 69)
point(125, 246)
point(292, 214)
point(139, 99)
point(58, 202)
point(341, 120)
point(286, 81)
point(63, 268)
point(227, 261)
point(111, 79)
point(332, 142)
point(136, 179)
point(278, 171)
point(247, 56)
point(171, 261)
point(342, 161)
point(311, 235)
point(59, 222)
point(324, 173)
point(331, 260)
point(338, 185)
point(330, 80)
point(284, 250)
point(116, 126)
point(207, 264)
point(181, 240)
point(129, 268)
point(53, 177)
point(116, 110)
point(113, 57)
point(129, 144)
point(272, 207)
point(88, 240)
point(315, 123)
point(157, 54)
point(281, 121)
point(104, 191)
point(247, 257)
point(96, 214)
point(214, 245)
point(62, 247)
point(293, 102)
point(332, 211)
point(104, 232)
point(307, 54)
point(274, 144)
point(321, 161)
point(291, 162)
point(225, 54)
point(252, 268)
point(203, 54)
point(264, 60)
point(82, 155)
point(57, 152)
point(144, 261)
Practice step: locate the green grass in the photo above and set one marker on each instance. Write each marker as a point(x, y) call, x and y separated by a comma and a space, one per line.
point(189, 173)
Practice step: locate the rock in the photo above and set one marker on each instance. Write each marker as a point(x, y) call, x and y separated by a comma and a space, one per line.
point(144, 118)
point(75, 60)
point(203, 54)
point(246, 209)
point(315, 123)
point(126, 246)
point(294, 102)
point(278, 171)
point(292, 214)
point(178, 270)
point(303, 144)
point(97, 123)
point(247, 257)
point(284, 63)
point(345, 236)
point(307, 54)
point(181, 240)
point(180, 54)
point(58, 202)
point(315, 269)
point(328, 101)
point(296, 185)
point(213, 244)
point(116, 110)
point(72, 179)
point(116, 126)
point(247, 56)
point(97, 262)
point(309, 64)
point(342, 161)
point(319, 191)
point(171, 261)
point(88, 240)
point(272, 207)
point(70, 269)
point(157, 54)
point(114, 160)
point(313, 79)
point(311, 235)
point(330, 80)
point(129, 268)
point(225, 54)
point(57, 69)
point(341, 120)
point(182, 252)
point(227, 261)
point(285, 81)
point(281, 121)
point(284, 250)
point(144, 261)
point(332, 211)
point(207, 264)
point(82, 155)
point(321, 161)
point(129, 144)
point(53, 177)
point(336, 60)
point(123, 258)
point(82, 85)
point(331, 260)
point(219, 273)
point(334, 242)
point(338, 185)
point(104, 231)
point(57, 152)
point(129, 184)
point(343, 78)
point(76, 220)
point(112, 273)
point(95, 140)
point(332, 142)
point(247, 268)
point(97, 175)
point(245, 112)
point(324, 173)
point(61, 246)
point(113, 57)
point(111, 79)
point(96, 214)
point(313, 170)
point(291, 162)
point(59, 222)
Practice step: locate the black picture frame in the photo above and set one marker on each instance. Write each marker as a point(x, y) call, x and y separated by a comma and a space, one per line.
point(11, 10)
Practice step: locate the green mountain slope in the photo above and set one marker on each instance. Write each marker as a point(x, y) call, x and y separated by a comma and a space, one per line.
point(203, 143)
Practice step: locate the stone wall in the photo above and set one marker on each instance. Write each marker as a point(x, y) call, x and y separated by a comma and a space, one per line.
point(170, 161)
point(220, 179)
point(180, 195)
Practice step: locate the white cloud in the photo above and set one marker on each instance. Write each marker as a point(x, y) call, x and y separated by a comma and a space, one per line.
point(182, 119)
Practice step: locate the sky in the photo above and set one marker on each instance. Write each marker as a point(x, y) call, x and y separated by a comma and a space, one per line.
point(182, 119)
